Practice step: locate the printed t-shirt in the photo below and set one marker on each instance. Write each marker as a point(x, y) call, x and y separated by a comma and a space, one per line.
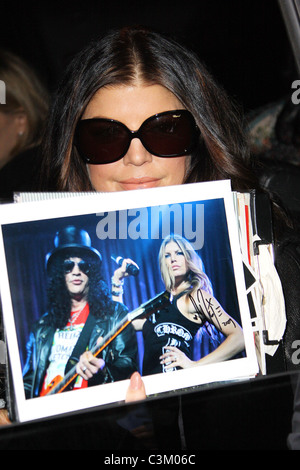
point(167, 328)
point(64, 341)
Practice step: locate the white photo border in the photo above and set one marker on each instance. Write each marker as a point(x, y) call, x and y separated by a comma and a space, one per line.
point(114, 393)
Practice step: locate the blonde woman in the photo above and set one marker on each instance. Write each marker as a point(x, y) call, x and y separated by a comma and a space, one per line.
point(168, 335)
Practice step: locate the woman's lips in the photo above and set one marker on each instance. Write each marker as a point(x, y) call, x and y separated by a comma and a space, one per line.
point(140, 183)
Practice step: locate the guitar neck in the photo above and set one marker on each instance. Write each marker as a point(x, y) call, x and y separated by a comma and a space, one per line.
point(145, 309)
point(96, 350)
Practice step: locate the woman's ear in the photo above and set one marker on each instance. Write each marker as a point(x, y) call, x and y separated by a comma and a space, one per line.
point(21, 122)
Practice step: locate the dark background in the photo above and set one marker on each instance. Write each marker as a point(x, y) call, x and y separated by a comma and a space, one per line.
point(243, 43)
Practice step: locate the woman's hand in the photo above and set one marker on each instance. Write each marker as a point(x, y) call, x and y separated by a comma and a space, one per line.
point(173, 357)
point(89, 365)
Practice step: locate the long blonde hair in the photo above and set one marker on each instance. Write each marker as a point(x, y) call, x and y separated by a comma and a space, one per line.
point(195, 275)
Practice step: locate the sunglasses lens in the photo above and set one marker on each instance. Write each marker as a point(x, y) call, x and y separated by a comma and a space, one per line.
point(82, 265)
point(68, 266)
point(101, 140)
point(170, 134)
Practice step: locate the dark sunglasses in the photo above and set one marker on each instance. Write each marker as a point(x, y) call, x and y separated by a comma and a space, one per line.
point(68, 266)
point(168, 134)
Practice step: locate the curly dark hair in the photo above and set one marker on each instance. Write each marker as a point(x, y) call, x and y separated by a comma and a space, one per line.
point(58, 297)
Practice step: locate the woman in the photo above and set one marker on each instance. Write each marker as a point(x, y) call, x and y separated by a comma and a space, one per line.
point(22, 119)
point(130, 76)
point(119, 85)
point(168, 336)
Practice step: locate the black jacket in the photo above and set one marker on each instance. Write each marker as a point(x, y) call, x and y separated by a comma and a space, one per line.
point(119, 356)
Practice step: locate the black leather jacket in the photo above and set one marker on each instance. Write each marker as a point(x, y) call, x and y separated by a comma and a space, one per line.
point(120, 355)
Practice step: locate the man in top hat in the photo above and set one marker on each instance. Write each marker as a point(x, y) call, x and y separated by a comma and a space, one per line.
point(80, 311)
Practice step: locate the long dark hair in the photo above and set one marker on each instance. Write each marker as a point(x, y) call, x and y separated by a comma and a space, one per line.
point(59, 300)
point(131, 54)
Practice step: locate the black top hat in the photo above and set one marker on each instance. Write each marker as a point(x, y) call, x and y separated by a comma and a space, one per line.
point(72, 239)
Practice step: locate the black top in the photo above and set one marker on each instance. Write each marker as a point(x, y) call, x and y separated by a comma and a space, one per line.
point(169, 327)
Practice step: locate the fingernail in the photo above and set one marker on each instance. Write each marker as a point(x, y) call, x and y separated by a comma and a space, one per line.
point(136, 381)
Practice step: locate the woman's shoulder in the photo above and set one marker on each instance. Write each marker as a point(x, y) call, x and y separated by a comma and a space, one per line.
point(191, 306)
point(199, 295)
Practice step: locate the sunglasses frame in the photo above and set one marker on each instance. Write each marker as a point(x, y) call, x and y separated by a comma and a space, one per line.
point(195, 131)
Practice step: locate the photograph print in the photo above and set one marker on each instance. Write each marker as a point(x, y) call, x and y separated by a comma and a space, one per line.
point(90, 296)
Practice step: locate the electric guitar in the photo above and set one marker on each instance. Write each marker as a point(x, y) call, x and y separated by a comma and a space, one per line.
point(60, 384)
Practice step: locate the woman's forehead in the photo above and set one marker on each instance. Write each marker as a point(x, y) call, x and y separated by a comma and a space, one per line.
point(137, 101)
point(172, 245)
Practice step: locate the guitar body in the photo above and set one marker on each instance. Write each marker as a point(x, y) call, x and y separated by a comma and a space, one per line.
point(51, 385)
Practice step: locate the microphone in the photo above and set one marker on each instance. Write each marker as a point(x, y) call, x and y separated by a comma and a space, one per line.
point(131, 268)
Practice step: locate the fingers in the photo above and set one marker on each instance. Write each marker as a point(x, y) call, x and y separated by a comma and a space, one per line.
point(174, 357)
point(171, 354)
point(171, 358)
point(4, 418)
point(89, 365)
point(136, 390)
point(127, 261)
point(120, 273)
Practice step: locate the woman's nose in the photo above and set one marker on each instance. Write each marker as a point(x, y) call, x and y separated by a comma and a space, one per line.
point(137, 154)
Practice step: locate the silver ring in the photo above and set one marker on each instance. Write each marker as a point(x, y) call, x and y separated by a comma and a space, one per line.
point(84, 369)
